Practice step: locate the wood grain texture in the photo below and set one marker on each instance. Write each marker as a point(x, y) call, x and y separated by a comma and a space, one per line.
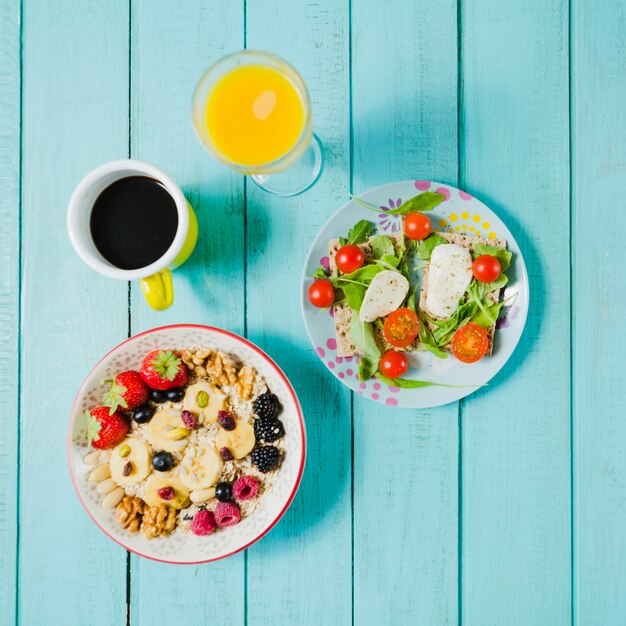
point(301, 572)
point(75, 116)
point(404, 79)
point(516, 432)
point(10, 74)
point(172, 44)
point(599, 222)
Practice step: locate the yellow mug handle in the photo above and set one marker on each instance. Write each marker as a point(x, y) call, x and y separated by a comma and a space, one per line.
point(158, 290)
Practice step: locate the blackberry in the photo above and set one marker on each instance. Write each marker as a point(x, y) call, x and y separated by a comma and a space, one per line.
point(266, 458)
point(266, 405)
point(268, 429)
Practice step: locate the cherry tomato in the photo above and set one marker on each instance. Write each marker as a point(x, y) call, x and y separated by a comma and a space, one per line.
point(321, 293)
point(401, 327)
point(393, 364)
point(349, 258)
point(486, 268)
point(470, 343)
point(417, 226)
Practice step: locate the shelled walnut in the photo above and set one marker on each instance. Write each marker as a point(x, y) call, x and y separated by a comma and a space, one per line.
point(196, 360)
point(221, 369)
point(157, 521)
point(129, 512)
point(245, 382)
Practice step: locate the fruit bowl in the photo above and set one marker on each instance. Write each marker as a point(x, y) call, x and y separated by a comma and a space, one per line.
point(183, 547)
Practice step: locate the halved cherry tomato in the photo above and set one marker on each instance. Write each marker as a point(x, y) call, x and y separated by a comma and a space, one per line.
point(470, 343)
point(401, 327)
point(349, 258)
point(393, 364)
point(486, 268)
point(417, 226)
point(321, 293)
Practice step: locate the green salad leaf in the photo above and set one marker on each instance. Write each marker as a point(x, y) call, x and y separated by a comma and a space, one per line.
point(446, 328)
point(406, 383)
point(425, 201)
point(368, 367)
point(488, 315)
point(358, 233)
point(426, 246)
point(427, 340)
point(480, 290)
point(382, 246)
point(362, 335)
point(504, 256)
point(320, 272)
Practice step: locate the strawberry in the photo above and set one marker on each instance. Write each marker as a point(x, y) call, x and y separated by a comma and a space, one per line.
point(105, 430)
point(164, 370)
point(127, 391)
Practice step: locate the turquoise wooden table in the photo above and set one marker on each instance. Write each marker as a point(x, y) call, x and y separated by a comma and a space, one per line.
point(508, 508)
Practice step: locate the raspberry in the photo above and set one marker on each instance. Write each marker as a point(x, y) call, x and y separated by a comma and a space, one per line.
point(266, 458)
point(226, 420)
point(166, 493)
point(266, 405)
point(203, 523)
point(226, 514)
point(245, 488)
point(190, 420)
point(226, 454)
point(268, 429)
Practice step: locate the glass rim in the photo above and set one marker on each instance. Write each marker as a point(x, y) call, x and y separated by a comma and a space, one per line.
point(212, 73)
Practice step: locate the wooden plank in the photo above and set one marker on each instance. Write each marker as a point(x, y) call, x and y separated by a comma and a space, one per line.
point(172, 44)
point(405, 462)
point(301, 572)
point(75, 117)
point(10, 75)
point(516, 432)
point(599, 179)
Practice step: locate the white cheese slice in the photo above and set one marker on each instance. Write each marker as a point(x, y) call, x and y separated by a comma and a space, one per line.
point(449, 275)
point(384, 295)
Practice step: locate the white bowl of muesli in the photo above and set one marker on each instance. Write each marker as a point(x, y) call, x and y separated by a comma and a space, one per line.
point(186, 444)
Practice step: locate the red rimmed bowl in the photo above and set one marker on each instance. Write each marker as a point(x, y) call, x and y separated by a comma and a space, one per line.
point(184, 547)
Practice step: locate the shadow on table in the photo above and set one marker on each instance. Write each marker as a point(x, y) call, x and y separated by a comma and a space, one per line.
point(326, 407)
point(536, 308)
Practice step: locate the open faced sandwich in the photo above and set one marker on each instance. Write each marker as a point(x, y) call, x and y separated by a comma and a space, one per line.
point(412, 291)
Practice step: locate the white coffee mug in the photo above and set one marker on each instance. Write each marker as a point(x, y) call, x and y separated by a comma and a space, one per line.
point(156, 278)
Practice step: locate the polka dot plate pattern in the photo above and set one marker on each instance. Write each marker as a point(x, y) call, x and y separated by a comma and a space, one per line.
point(461, 213)
point(181, 547)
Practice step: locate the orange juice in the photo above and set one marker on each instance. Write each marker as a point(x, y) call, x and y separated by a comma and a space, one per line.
point(254, 115)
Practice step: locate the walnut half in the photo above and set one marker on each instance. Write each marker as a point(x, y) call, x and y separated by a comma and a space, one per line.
point(129, 511)
point(157, 521)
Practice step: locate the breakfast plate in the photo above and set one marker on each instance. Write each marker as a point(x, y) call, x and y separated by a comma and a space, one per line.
point(456, 217)
point(186, 444)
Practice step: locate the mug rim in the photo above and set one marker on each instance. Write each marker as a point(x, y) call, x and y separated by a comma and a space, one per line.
point(77, 206)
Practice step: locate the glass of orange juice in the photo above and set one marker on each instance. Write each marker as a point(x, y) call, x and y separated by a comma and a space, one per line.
point(252, 111)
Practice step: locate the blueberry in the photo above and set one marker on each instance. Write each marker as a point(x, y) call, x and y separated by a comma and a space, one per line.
point(163, 461)
point(224, 492)
point(175, 394)
point(143, 413)
point(158, 396)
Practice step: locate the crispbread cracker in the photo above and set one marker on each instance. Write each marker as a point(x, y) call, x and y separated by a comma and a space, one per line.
point(343, 313)
point(467, 241)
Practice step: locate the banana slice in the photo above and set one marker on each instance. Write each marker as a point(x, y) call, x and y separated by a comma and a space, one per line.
point(135, 452)
point(201, 467)
point(166, 431)
point(239, 441)
point(205, 400)
point(179, 499)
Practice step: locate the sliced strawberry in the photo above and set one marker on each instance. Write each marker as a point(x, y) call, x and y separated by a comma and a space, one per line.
point(164, 369)
point(105, 430)
point(127, 391)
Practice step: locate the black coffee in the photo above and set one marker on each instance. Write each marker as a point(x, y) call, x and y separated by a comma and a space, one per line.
point(133, 222)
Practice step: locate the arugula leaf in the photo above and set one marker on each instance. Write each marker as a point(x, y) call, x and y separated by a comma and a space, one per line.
point(480, 290)
point(426, 246)
point(488, 318)
point(320, 272)
point(364, 274)
point(504, 256)
point(368, 367)
point(382, 246)
point(406, 383)
point(354, 294)
point(342, 241)
point(389, 261)
point(425, 201)
point(428, 341)
point(359, 232)
point(463, 314)
point(362, 335)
